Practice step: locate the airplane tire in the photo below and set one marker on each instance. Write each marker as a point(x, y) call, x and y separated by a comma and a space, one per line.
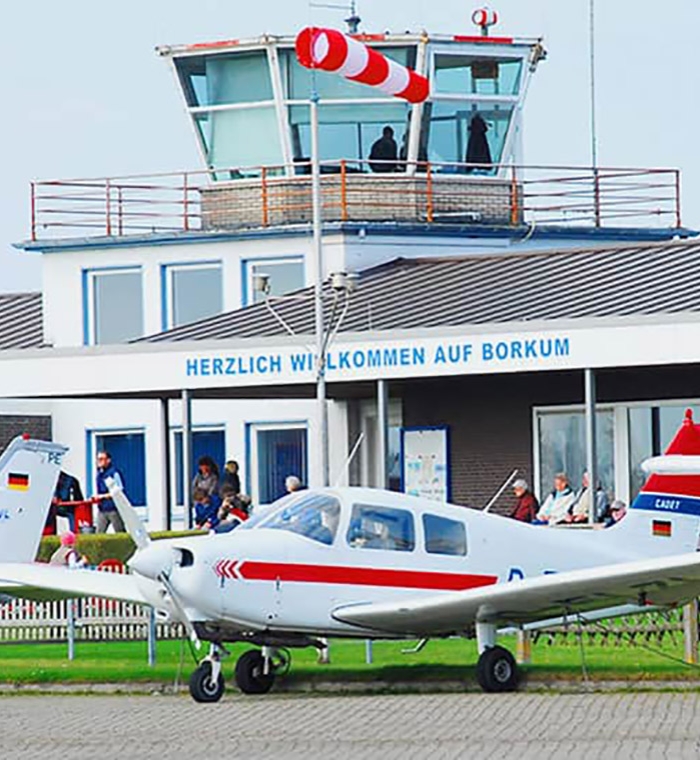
point(496, 670)
point(202, 686)
point(250, 675)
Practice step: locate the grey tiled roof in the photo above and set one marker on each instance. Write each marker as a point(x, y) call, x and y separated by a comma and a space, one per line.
point(645, 279)
point(20, 320)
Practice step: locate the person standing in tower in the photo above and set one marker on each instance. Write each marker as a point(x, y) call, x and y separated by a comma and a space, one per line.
point(384, 148)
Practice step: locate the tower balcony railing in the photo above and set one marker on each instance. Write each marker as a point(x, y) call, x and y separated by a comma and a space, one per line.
point(428, 193)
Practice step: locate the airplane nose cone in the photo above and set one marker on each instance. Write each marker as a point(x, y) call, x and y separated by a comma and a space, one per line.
point(153, 560)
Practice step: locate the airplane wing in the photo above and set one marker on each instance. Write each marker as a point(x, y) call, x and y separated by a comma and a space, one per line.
point(659, 582)
point(44, 582)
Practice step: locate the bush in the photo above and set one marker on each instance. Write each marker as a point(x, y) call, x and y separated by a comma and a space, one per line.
point(100, 546)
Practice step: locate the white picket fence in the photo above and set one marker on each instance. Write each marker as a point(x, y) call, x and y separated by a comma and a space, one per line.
point(91, 619)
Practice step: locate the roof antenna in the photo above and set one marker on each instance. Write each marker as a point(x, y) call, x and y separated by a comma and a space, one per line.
point(353, 20)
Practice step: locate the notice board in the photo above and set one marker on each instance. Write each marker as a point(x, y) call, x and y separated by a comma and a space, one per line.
point(425, 462)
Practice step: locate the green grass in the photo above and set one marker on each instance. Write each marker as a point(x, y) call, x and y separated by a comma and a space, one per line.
point(126, 662)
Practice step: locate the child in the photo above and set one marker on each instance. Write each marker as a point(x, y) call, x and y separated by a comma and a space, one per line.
point(206, 507)
point(234, 510)
point(66, 554)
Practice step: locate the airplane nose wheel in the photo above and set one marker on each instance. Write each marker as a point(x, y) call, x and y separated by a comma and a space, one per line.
point(496, 670)
point(207, 683)
point(256, 670)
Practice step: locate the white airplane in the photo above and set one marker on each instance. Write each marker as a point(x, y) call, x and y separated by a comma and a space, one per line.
point(365, 563)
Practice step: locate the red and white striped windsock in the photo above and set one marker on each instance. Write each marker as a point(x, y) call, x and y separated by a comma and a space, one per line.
point(330, 50)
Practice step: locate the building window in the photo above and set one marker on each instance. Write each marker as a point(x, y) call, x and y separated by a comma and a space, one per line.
point(192, 292)
point(241, 140)
point(277, 451)
point(210, 442)
point(651, 429)
point(285, 276)
point(561, 447)
point(447, 128)
point(128, 451)
point(113, 305)
point(458, 74)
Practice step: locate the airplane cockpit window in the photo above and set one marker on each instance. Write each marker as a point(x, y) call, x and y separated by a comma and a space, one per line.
point(444, 536)
point(311, 515)
point(381, 528)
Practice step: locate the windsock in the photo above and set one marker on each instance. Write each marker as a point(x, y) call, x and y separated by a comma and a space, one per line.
point(330, 50)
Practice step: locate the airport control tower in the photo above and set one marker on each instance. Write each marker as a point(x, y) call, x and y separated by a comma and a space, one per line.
point(249, 104)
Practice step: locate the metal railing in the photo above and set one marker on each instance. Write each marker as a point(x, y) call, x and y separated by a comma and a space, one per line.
point(426, 192)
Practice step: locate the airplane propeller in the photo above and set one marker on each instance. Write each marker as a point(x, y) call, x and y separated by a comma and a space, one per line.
point(150, 560)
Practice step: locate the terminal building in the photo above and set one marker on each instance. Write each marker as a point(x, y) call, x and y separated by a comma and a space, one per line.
point(176, 312)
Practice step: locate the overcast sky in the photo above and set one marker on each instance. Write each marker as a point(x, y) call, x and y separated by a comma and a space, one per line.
point(84, 94)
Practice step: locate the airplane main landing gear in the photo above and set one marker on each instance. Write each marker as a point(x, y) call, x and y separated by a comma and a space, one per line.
point(256, 670)
point(497, 670)
point(207, 682)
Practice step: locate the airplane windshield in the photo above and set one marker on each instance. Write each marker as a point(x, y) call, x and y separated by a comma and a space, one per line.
point(314, 516)
point(260, 514)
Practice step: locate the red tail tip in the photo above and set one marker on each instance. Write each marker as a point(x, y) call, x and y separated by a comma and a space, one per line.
point(688, 420)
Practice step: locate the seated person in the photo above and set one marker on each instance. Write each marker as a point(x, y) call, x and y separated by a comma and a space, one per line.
point(580, 511)
point(557, 505)
point(615, 512)
point(206, 508)
point(526, 507)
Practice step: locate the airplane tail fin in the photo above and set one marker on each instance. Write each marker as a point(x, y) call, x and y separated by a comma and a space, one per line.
point(666, 511)
point(28, 473)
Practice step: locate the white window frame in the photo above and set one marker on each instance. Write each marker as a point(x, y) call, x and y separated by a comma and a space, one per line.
point(168, 297)
point(90, 275)
point(92, 434)
point(248, 298)
point(253, 455)
point(619, 411)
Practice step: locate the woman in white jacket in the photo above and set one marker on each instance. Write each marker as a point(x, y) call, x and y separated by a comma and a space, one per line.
point(556, 506)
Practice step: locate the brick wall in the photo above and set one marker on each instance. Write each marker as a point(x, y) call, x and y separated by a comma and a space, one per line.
point(278, 201)
point(490, 417)
point(14, 425)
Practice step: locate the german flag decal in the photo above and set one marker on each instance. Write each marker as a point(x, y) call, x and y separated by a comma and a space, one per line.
point(17, 481)
point(661, 528)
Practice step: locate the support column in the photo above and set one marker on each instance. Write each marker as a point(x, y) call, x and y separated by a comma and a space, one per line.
point(187, 473)
point(165, 434)
point(523, 648)
point(591, 458)
point(383, 433)
point(690, 632)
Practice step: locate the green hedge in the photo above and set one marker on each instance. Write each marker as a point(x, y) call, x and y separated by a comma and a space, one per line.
point(100, 546)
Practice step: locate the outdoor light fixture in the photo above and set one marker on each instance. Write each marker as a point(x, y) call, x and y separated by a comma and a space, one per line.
point(261, 283)
point(344, 281)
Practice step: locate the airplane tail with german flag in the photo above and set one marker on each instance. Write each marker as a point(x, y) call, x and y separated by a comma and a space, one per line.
point(664, 519)
point(28, 473)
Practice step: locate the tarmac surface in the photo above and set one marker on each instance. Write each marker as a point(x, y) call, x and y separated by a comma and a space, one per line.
point(523, 726)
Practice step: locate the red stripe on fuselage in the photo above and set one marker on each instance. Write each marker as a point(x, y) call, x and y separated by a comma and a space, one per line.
point(361, 576)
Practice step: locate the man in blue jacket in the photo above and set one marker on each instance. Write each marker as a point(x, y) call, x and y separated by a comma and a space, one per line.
point(106, 509)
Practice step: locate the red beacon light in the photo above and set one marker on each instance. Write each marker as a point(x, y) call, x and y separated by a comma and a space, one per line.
point(485, 18)
point(26, 436)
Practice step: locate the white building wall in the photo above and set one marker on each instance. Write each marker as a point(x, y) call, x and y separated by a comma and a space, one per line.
point(74, 420)
point(63, 297)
